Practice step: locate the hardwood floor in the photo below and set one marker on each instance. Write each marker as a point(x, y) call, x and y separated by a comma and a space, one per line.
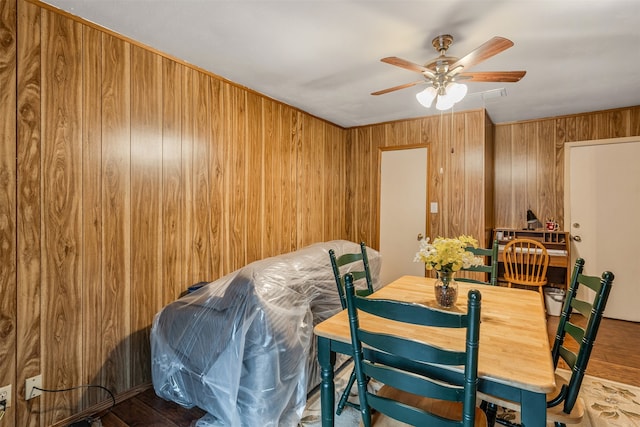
point(615, 356)
point(616, 353)
point(147, 409)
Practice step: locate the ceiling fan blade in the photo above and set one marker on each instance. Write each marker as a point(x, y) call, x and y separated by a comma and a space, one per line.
point(391, 89)
point(493, 76)
point(408, 65)
point(483, 52)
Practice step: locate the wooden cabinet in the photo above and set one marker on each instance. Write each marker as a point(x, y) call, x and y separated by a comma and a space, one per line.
point(558, 246)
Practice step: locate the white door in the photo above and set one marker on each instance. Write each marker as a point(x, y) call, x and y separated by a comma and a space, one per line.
point(403, 214)
point(602, 208)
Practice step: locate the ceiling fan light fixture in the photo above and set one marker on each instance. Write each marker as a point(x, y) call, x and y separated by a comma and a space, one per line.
point(444, 102)
point(426, 97)
point(457, 91)
point(441, 74)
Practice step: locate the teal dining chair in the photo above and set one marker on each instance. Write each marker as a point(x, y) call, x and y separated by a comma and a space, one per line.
point(418, 388)
point(489, 268)
point(564, 406)
point(358, 265)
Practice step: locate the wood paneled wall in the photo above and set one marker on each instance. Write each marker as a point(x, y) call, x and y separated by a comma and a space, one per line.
point(8, 207)
point(529, 160)
point(126, 176)
point(460, 174)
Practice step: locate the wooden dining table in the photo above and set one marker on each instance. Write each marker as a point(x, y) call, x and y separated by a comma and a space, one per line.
point(514, 360)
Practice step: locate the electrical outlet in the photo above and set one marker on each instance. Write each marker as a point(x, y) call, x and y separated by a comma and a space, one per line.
point(29, 384)
point(5, 394)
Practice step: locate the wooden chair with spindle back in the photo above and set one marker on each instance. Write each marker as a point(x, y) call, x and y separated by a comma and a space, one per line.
point(525, 263)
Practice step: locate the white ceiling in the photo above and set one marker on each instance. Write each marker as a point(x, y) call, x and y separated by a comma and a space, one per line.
point(323, 56)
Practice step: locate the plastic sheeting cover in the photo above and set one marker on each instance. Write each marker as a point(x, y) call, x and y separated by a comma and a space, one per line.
point(241, 348)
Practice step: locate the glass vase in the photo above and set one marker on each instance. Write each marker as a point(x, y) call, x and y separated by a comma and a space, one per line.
point(446, 289)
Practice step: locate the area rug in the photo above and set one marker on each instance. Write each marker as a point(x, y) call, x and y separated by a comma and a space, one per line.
point(608, 404)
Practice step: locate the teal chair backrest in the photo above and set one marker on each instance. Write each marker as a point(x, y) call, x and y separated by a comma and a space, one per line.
point(360, 271)
point(584, 336)
point(490, 267)
point(408, 365)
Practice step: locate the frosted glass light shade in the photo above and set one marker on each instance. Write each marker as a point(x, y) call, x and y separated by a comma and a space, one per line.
point(457, 91)
point(444, 102)
point(426, 97)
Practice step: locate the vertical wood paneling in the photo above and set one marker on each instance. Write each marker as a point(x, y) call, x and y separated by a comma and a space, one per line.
point(255, 178)
point(612, 124)
point(396, 133)
point(92, 211)
point(503, 177)
point(173, 254)
point(272, 140)
point(187, 142)
point(235, 177)
point(280, 179)
point(519, 176)
point(634, 121)
point(29, 230)
point(530, 141)
point(292, 134)
point(116, 213)
point(457, 183)
point(350, 177)
point(61, 195)
point(146, 195)
point(310, 166)
point(546, 171)
point(304, 182)
point(317, 141)
point(201, 242)
point(9, 309)
point(431, 136)
point(363, 208)
point(334, 185)
point(287, 179)
point(439, 171)
point(414, 132)
point(585, 128)
point(329, 221)
point(473, 194)
point(217, 150)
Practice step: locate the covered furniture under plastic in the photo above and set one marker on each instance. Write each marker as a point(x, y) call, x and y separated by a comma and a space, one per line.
point(241, 347)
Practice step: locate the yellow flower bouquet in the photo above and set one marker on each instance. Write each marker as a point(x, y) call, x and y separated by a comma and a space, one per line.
point(448, 255)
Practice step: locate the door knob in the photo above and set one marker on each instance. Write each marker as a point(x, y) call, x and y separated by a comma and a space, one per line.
point(420, 236)
point(577, 238)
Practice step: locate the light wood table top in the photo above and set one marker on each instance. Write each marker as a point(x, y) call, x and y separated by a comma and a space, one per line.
point(514, 346)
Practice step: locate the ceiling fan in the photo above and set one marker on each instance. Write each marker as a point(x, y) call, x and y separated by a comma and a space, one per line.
point(444, 73)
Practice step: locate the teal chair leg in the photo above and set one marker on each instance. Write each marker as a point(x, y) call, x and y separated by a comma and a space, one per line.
point(345, 394)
